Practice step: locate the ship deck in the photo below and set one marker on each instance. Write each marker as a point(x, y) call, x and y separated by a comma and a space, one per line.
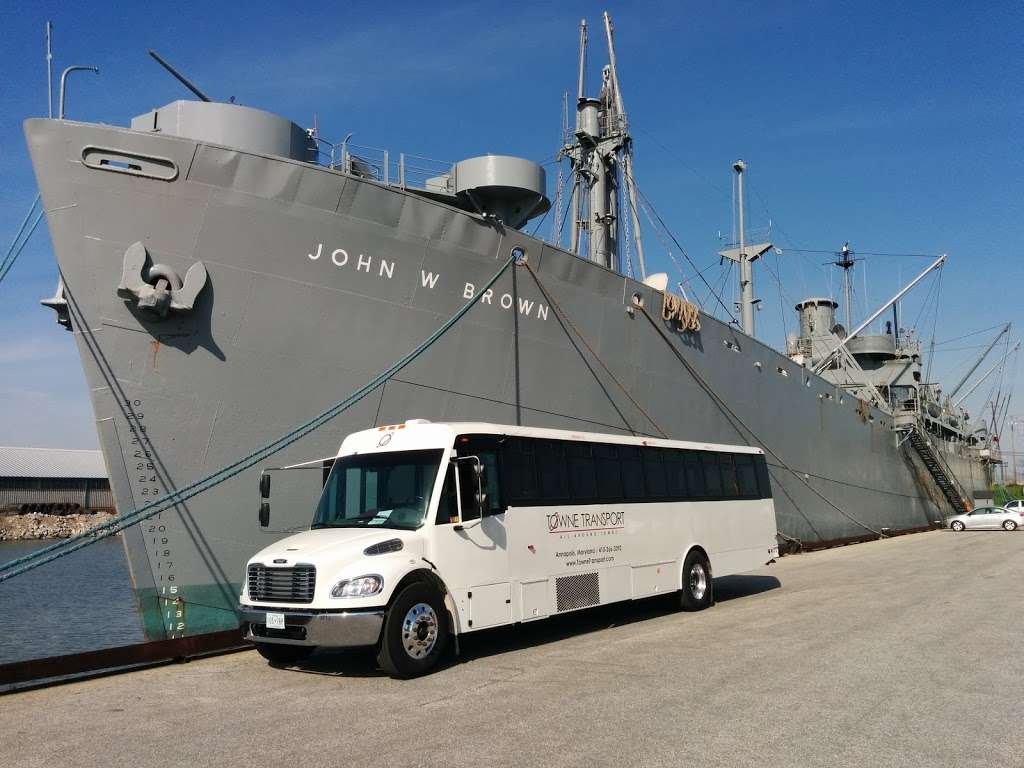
point(904, 651)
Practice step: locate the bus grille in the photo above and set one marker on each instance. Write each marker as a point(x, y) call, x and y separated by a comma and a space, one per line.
point(577, 591)
point(282, 585)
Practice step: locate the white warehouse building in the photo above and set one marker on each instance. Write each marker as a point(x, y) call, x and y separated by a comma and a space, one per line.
point(53, 480)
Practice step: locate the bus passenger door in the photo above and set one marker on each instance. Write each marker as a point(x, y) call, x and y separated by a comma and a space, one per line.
point(470, 550)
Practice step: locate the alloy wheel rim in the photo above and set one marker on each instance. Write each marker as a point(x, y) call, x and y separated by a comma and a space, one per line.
point(419, 631)
point(698, 581)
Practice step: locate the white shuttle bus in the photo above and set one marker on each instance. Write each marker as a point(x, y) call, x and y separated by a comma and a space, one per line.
point(428, 531)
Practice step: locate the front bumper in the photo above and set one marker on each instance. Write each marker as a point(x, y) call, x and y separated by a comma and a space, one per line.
point(328, 629)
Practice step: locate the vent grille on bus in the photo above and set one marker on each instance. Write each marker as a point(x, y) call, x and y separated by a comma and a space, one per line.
point(282, 585)
point(577, 591)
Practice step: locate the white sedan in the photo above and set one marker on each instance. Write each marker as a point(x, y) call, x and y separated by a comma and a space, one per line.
point(991, 518)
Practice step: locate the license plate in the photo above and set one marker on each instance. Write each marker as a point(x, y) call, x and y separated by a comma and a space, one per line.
point(275, 621)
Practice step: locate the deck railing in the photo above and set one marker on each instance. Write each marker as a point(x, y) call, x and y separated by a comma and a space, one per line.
point(399, 170)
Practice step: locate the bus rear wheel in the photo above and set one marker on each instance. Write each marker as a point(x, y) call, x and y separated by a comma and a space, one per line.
point(696, 593)
point(415, 634)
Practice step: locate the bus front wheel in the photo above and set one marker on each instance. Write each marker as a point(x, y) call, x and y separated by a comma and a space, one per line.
point(415, 633)
point(696, 593)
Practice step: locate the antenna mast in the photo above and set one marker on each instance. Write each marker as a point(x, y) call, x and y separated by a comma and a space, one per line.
point(600, 150)
point(49, 70)
point(578, 222)
point(627, 148)
point(845, 261)
point(745, 255)
point(558, 220)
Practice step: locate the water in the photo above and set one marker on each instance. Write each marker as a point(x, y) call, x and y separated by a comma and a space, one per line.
point(81, 602)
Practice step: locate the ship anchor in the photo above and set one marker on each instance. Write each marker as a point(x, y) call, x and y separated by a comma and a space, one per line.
point(161, 288)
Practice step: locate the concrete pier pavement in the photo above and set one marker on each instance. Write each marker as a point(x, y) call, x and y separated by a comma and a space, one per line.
point(903, 652)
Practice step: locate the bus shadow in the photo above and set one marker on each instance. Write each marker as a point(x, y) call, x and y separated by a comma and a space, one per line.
point(492, 642)
point(346, 662)
point(731, 587)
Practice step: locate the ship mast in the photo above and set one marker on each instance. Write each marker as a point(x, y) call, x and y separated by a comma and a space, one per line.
point(745, 256)
point(601, 161)
point(845, 262)
point(577, 181)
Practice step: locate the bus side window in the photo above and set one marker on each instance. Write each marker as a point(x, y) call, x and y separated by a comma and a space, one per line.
point(654, 474)
point(518, 471)
point(468, 486)
point(712, 473)
point(731, 487)
point(494, 504)
point(694, 475)
point(582, 477)
point(551, 471)
point(632, 472)
point(763, 480)
point(675, 470)
point(447, 505)
point(609, 474)
point(467, 491)
point(485, 449)
point(746, 476)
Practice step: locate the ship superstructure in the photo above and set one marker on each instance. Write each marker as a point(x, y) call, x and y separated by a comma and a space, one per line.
point(225, 281)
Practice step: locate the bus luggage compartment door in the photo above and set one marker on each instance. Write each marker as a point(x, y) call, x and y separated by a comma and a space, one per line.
point(490, 605)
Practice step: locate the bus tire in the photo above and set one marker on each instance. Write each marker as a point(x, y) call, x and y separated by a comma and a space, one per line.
point(696, 593)
point(283, 655)
point(415, 634)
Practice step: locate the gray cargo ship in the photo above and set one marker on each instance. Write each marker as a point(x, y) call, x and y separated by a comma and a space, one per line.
point(225, 282)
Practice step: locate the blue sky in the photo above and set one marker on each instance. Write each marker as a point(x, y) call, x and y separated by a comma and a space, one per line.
point(894, 126)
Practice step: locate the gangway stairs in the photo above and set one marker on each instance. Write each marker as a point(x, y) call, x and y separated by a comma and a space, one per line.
point(940, 472)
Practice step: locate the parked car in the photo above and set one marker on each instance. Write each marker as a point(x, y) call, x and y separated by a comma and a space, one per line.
point(991, 518)
point(1017, 505)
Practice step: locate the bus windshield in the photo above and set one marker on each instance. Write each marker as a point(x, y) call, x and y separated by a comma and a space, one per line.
point(379, 490)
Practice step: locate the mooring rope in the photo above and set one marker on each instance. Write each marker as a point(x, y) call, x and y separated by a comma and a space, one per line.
point(48, 554)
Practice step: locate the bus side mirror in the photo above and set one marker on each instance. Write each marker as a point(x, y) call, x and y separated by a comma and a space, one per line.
point(264, 513)
point(481, 502)
point(265, 486)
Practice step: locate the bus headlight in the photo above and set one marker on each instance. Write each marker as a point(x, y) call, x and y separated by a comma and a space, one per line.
point(361, 586)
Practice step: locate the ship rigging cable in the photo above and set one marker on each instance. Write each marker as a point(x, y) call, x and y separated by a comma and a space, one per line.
point(935, 322)
point(21, 239)
point(55, 551)
point(966, 335)
point(722, 404)
point(565, 317)
point(561, 313)
point(644, 200)
point(869, 253)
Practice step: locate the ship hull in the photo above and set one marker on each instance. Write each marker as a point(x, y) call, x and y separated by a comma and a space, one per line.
point(318, 281)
